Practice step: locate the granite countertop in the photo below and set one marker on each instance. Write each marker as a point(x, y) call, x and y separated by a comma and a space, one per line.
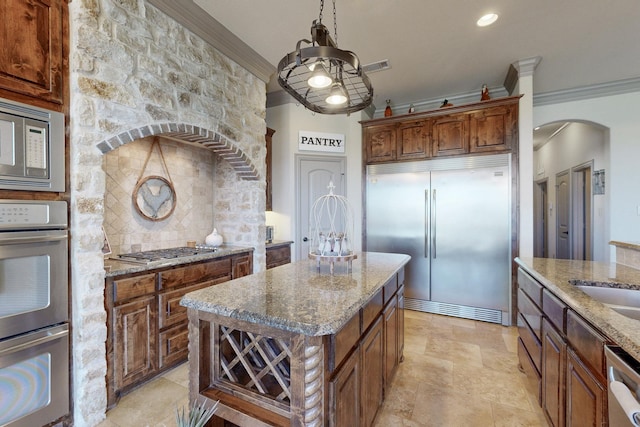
point(297, 297)
point(277, 243)
point(556, 275)
point(114, 267)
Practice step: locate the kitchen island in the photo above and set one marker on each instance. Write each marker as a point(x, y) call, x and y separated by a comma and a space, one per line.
point(297, 346)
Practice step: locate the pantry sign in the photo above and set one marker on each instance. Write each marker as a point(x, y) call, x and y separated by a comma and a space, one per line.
point(319, 141)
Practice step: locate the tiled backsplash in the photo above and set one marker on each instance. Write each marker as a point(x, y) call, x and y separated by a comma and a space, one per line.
point(627, 253)
point(191, 170)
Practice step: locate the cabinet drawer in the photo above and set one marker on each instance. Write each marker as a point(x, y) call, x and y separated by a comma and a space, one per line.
point(555, 310)
point(531, 342)
point(278, 256)
point(371, 311)
point(131, 287)
point(530, 312)
point(345, 340)
point(195, 273)
point(530, 286)
point(170, 311)
point(390, 288)
point(174, 345)
point(587, 342)
point(534, 381)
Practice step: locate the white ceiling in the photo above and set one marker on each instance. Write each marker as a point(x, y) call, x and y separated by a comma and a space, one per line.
point(436, 50)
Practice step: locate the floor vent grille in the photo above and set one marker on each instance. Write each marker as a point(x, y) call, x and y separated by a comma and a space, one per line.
point(454, 310)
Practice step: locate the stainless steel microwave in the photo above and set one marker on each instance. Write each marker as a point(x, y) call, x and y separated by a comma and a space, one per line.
point(32, 148)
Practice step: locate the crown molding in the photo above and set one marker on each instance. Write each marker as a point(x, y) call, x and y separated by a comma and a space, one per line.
point(196, 20)
point(617, 87)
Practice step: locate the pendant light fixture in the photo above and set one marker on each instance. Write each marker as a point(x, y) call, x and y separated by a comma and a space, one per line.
point(323, 78)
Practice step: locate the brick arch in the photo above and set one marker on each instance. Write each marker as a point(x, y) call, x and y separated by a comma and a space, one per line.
point(215, 142)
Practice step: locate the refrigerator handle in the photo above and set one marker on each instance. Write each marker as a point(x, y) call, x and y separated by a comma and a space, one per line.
point(426, 223)
point(433, 224)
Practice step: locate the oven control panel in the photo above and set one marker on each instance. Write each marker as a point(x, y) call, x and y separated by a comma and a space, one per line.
point(20, 214)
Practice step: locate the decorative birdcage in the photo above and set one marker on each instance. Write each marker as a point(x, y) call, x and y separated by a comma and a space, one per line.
point(331, 230)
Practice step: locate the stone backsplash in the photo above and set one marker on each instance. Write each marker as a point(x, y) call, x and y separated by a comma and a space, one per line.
point(190, 169)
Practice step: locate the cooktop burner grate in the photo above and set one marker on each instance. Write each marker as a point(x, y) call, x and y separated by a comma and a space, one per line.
point(146, 257)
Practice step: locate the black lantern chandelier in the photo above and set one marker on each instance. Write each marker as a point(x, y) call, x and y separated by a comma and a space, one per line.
point(322, 77)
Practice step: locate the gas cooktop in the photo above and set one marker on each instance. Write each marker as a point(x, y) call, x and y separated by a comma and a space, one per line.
point(146, 257)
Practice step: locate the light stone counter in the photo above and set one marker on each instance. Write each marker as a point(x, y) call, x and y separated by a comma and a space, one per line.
point(114, 267)
point(556, 275)
point(297, 297)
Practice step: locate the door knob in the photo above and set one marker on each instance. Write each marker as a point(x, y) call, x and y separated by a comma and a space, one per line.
point(304, 239)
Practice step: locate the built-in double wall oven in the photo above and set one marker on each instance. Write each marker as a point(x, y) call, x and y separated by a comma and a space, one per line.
point(34, 315)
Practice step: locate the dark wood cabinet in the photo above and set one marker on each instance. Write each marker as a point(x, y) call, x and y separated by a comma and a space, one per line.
point(241, 266)
point(134, 341)
point(450, 135)
point(33, 58)
point(146, 325)
point(493, 129)
point(413, 140)
point(278, 254)
point(372, 392)
point(365, 355)
point(586, 396)
point(269, 168)
point(484, 127)
point(380, 143)
point(344, 394)
point(554, 351)
point(572, 368)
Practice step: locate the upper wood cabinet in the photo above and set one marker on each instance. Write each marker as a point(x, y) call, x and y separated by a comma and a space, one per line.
point(380, 143)
point(33, 57)
point(483, 127)
point(413, 140)
point(492, 129)
point(451, 135)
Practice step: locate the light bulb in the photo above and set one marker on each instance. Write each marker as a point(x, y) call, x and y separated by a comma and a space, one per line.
point(319, 77)
point(337, 95)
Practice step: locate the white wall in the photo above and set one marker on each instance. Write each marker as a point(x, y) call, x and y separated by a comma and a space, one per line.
point(575, 145)
point(287, 120)
point(619, 113)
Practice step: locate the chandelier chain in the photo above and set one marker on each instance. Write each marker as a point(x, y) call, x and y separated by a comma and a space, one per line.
point(321, 8)
point(335, 23)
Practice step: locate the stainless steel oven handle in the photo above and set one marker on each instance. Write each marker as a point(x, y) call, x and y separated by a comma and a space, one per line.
point(36, 341)
point(17, 240)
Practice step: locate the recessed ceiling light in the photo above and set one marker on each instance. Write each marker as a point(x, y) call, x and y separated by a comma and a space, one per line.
point(487, 19)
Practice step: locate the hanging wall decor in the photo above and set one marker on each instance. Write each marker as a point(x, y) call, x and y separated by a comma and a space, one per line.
point(154, 196)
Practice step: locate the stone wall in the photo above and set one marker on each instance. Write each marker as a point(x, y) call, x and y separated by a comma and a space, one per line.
point(134, 73)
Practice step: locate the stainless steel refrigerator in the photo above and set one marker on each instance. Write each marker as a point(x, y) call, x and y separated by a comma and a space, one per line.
point(453, 216)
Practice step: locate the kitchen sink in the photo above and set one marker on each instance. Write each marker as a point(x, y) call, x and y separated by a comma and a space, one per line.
point(624, 301)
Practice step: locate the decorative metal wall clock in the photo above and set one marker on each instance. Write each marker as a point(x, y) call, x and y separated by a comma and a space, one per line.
point(154, 196)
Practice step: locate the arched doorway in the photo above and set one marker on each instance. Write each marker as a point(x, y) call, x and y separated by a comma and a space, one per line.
point(570, 213)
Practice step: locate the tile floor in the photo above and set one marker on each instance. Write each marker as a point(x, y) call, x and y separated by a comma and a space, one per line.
point(456, 372)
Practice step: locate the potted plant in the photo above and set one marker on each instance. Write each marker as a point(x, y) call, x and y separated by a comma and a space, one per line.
point(197, 416)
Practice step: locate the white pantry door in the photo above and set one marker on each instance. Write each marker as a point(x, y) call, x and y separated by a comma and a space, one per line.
point(314, 173)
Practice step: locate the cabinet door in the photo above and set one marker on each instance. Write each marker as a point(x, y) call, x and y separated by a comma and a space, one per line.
point(242, 266)
point(278, 256)
point(492, 129)
point(380, 143)
point(31, 58)
point(135, 349)
point(413, 141)
point(390, 316)
point(553, 361)
point(372, 351)
point(585, 395)
point(344, 394)
point(450, 135)
point(401, 323)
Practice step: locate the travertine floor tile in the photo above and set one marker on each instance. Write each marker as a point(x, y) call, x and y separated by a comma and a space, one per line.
point(456, 372)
